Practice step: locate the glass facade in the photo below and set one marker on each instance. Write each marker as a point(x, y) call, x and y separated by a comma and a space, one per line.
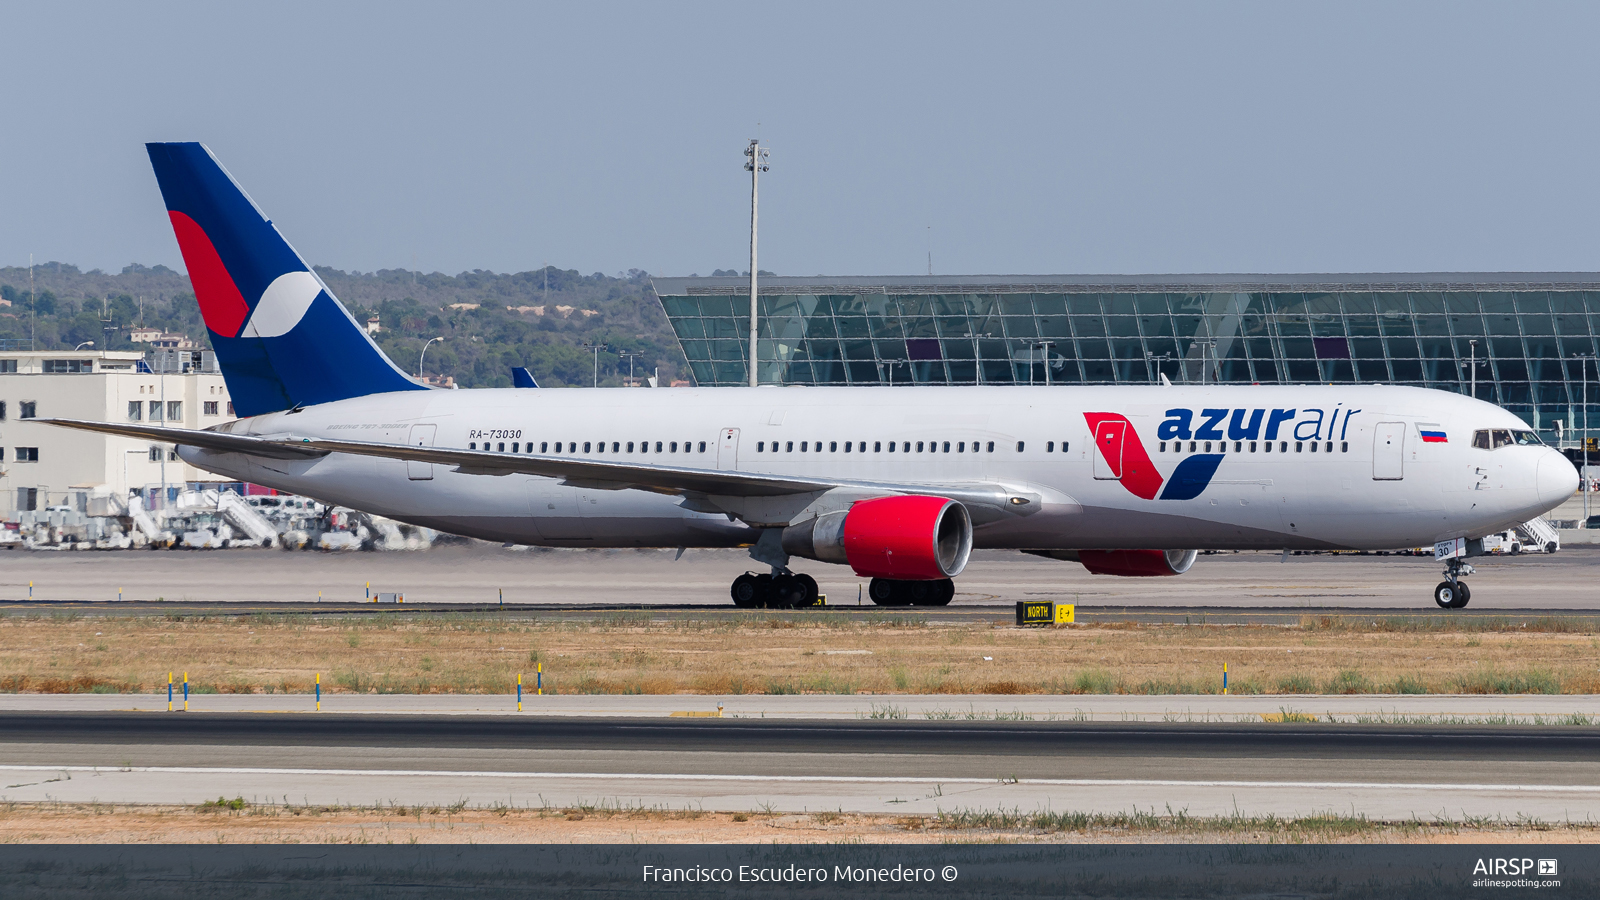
point(1527, 334)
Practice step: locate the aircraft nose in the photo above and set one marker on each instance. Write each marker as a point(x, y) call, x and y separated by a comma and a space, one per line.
point(1557, 479)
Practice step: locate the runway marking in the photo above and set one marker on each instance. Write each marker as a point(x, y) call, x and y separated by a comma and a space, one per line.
point(815, 779)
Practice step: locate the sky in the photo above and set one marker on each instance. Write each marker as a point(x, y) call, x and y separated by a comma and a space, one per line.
point(995, 137)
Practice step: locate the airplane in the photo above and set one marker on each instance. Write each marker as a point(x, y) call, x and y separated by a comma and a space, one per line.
point(900, 483)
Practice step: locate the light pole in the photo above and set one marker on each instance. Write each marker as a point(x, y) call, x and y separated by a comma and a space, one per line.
point(1158, 359)
point(424, 354)
point(83, 345)
point(1045, 345)
point(1583, 368)
point(1473, 362)
point(596, 348)
point(977, 358)
point(755, 163)
point(630, 356)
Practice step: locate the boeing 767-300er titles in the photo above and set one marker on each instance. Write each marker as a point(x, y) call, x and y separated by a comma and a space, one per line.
point(899, 483)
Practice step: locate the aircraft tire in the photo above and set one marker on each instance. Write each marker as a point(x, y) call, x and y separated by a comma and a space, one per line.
point(1451, 595)
point(787, 592)
point(812, 591)
point(747, 592)
point(887, 592)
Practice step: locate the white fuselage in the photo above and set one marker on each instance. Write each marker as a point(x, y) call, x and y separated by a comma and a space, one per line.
point(1380, 486)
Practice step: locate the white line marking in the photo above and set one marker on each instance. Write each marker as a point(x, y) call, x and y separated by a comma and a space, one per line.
point(814, 779)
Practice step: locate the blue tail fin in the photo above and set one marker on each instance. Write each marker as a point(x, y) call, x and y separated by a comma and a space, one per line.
point(281, 338)
point(522, 378)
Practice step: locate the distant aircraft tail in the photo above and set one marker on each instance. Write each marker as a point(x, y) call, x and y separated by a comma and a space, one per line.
point(281, 337)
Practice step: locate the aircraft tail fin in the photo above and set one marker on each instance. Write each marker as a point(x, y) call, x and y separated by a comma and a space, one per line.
point(282, 339)
point(522, 378)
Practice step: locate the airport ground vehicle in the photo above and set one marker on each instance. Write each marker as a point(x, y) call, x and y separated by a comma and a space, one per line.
point(899, 483)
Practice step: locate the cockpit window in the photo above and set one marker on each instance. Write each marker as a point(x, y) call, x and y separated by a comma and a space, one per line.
point(1492, 439)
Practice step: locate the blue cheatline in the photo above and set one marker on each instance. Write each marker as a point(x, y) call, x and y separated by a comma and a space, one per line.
point(281, 337)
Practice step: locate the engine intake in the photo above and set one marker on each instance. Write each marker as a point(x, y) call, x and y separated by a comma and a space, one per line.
point(908, 538)
point(1137, 563)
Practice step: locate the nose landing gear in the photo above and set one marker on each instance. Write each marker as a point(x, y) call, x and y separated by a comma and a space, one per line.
point(1453, 593)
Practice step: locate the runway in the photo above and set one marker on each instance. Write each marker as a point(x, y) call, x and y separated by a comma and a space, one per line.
point(1544, 772)
point(478, 575)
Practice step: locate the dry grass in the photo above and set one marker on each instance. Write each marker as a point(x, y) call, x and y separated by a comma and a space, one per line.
point(792, 653)
point(237, 822)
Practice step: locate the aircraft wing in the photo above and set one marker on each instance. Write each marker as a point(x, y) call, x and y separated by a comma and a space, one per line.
point(600, 474)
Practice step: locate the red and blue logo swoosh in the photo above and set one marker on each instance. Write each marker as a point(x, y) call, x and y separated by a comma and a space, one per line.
point(1125, 456)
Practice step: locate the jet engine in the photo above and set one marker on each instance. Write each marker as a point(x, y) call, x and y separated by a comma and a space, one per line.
point(906, 538)
point(1137, 562)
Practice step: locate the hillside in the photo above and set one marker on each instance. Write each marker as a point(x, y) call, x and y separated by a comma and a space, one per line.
point(499, 320)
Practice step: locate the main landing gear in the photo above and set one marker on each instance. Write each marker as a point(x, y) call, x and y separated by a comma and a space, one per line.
point(1452, 593)
point(887, 592)
point(781, 591)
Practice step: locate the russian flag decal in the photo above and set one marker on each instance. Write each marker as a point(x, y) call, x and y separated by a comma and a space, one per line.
point(1432, 433)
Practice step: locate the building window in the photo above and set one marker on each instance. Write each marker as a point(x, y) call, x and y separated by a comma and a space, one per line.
point(68, 366)
point(155, 410)
point(8, 367)
point(27, 454)
point(27, 498)
point(155, 454)
point(2, 410)
point(210, 407)
point(230, 407)
point(135, 410)
point(174, 410)
point(172, 456)
point(27, 409)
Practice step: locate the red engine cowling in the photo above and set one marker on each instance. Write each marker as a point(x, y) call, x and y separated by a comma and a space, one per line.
point(909, 538)
point(1137, 563)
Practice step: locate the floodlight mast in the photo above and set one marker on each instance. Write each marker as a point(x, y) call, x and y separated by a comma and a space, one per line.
point(755, 163)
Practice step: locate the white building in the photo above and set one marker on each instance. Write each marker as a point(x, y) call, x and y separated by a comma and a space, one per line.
point(41, 465)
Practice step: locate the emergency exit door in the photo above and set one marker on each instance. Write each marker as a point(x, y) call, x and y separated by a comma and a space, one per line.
point(1108, 439)
point(421, 436)
point(1389, 451)
point(728, 449)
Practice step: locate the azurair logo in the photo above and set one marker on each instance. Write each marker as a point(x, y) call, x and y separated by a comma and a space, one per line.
point(1127, 461)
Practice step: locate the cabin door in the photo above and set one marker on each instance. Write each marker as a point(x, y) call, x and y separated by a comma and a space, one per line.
point(421, 436)
point(1389, 451)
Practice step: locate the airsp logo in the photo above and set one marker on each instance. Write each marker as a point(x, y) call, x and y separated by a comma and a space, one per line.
point(1502, 866)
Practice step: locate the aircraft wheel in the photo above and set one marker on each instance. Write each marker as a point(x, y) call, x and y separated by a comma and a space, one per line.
point(812, 592)
point(947, 592)
point(886, 592)
point(1451, 595)
point(787, 592)
point(920, 593)
point(747, 593)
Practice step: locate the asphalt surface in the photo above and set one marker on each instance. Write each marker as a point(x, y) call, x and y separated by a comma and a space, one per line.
point(1543, 772)
point(478, 574)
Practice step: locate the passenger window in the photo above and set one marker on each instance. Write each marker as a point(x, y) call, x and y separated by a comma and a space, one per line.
point(1299, 446)
point(891, 446)
point(473, 445)
point(991, 446)
point(1313, 446)
point(1063, 446)
point(1252, 446)
point(1019, 446)
point(515, 447)
point(833, 446)
point(1238, 446)
point(1049, 446)
point(658, 447)
point(1194, 446)
point(761, 447)
point(702, 446)
point(1501, 438)
point(1208, 446)
point(905, 447)
point(1344, 446)
point(847, 446)
point(961, 447)
point(616, 446)
point(502, 447)
point(1329, 448)
point(877, 446)
point(919, 446)
point(544, 446)
point(1283, 446)
point(947, 446)
point(586, 446)
point(789, 447)
point(1480, 440)
point(1268, 448)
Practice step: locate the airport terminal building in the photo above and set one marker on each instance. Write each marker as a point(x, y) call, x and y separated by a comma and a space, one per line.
point(1527, 339)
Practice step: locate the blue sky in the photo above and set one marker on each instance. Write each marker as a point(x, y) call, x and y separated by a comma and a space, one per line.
point(1007, 138)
